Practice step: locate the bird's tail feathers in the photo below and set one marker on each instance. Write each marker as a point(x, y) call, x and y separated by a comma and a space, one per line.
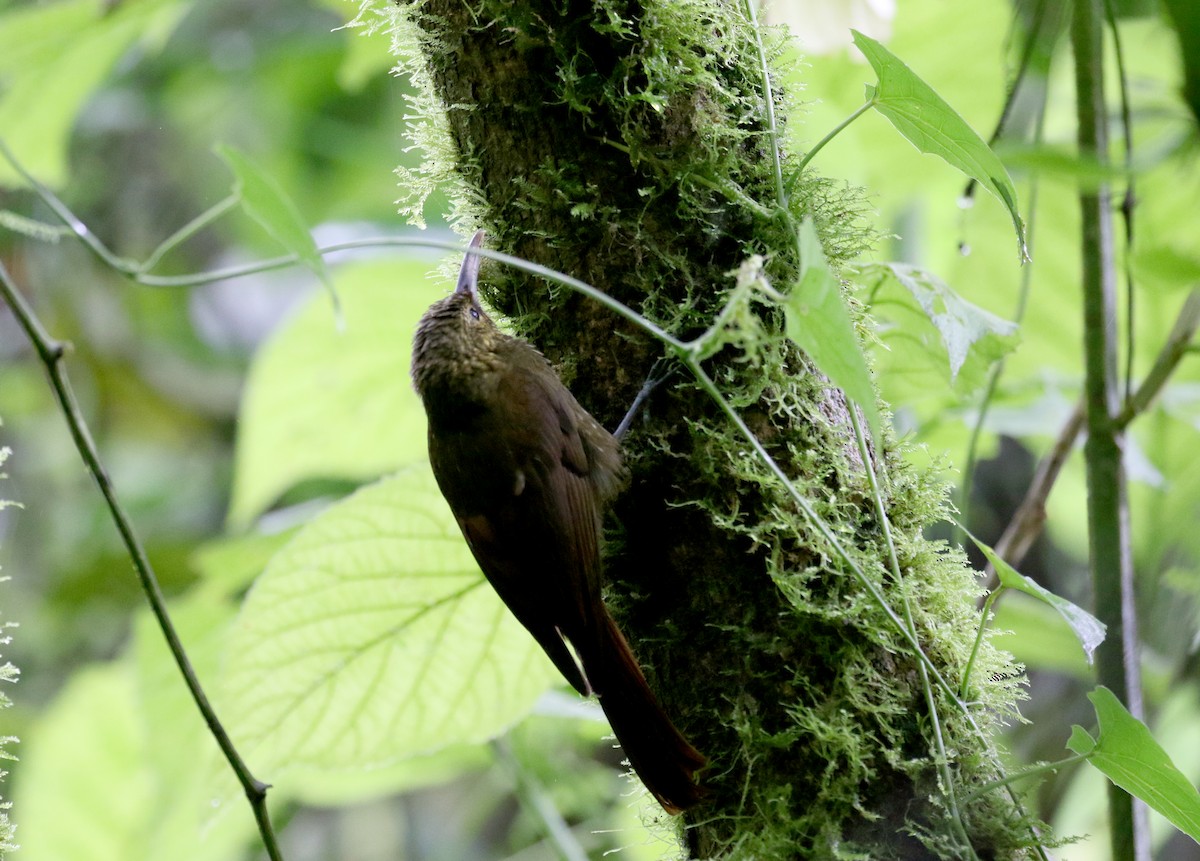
point(657, 751)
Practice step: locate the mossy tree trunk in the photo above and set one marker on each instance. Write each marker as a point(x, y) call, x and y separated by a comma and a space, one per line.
point(627, 144)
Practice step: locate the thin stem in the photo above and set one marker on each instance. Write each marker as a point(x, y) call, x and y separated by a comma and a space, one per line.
point(1177, 346)
point(808, 156)
point(994, 594)
point(73, 223)
point(189, 230)
point(781, 193)
point(943, 761)
point(534, 799)
point(51, 353)
point(1009, 780)
point(1128, 201)
point(1023, 66)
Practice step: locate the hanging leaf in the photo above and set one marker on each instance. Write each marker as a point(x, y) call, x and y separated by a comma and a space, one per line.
point(932, 126)
point(1088, 629)
point(373, 637)
point(818, 321)
point(267, 203)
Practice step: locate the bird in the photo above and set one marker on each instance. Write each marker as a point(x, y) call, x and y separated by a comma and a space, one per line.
point(528, 474)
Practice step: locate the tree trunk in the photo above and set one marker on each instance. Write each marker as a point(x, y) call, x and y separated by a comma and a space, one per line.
point(627, 144)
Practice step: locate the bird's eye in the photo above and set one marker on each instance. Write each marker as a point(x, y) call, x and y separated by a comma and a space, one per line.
point(475, 313)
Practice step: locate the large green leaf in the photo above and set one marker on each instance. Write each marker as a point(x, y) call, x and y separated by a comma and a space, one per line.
point(327, 403)
point(83, 783)
point(818, 321)
point(929, 123)
point(52, 58)
point(1130, 757)
point(92, 788)
point(373, 637)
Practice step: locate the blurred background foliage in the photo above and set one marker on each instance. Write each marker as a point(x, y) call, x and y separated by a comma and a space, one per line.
point(213, 404)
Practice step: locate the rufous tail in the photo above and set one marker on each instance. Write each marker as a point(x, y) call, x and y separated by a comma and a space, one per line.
point(658, 752)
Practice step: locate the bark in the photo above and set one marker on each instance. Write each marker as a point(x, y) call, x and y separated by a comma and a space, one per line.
point(624, 143)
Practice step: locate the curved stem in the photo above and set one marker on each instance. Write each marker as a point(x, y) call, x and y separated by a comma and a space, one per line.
point(51, 353)
point(189, 230)
point(781, 192)
point(808, 156)
point(1048, 768)
point(983, 623)
point(943, 760)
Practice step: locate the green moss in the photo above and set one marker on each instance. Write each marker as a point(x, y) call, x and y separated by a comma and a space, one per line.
point(626, 144)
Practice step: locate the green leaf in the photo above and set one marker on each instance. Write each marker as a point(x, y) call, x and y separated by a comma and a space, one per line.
point(373, 637)
point(1033, 633)
point(1167, 266)
point(933, 127)
point(81, 755)
point(1080, 742)
point(267, 203)
point(1129, 756)
point(92, 789)
point(819, 323)
point(969, 340)
point(324, 403)
point(1088, 629)
point(53, 56)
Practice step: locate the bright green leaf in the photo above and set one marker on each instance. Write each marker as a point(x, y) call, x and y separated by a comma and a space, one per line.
point(933, 127)
point(1128, 755)
point(373, 637)
point(818, 321)
point(1088, 629)
point(1167, 266)
point(1033, 633)
point(969, 339)
point(53, 56)
point(268, 204)
point(1080, 742)
point(84, 786)
point(324, 403)
point(91, 791)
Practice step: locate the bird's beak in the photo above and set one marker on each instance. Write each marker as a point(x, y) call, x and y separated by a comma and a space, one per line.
point(468, 276)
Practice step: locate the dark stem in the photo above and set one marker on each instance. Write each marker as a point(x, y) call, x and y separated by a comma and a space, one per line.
point(1129, 199)
point(1026, 524)
point(1108, 516)
point(51, 352)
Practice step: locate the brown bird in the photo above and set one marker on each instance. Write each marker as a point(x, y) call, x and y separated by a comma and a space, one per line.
point(528, 472)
